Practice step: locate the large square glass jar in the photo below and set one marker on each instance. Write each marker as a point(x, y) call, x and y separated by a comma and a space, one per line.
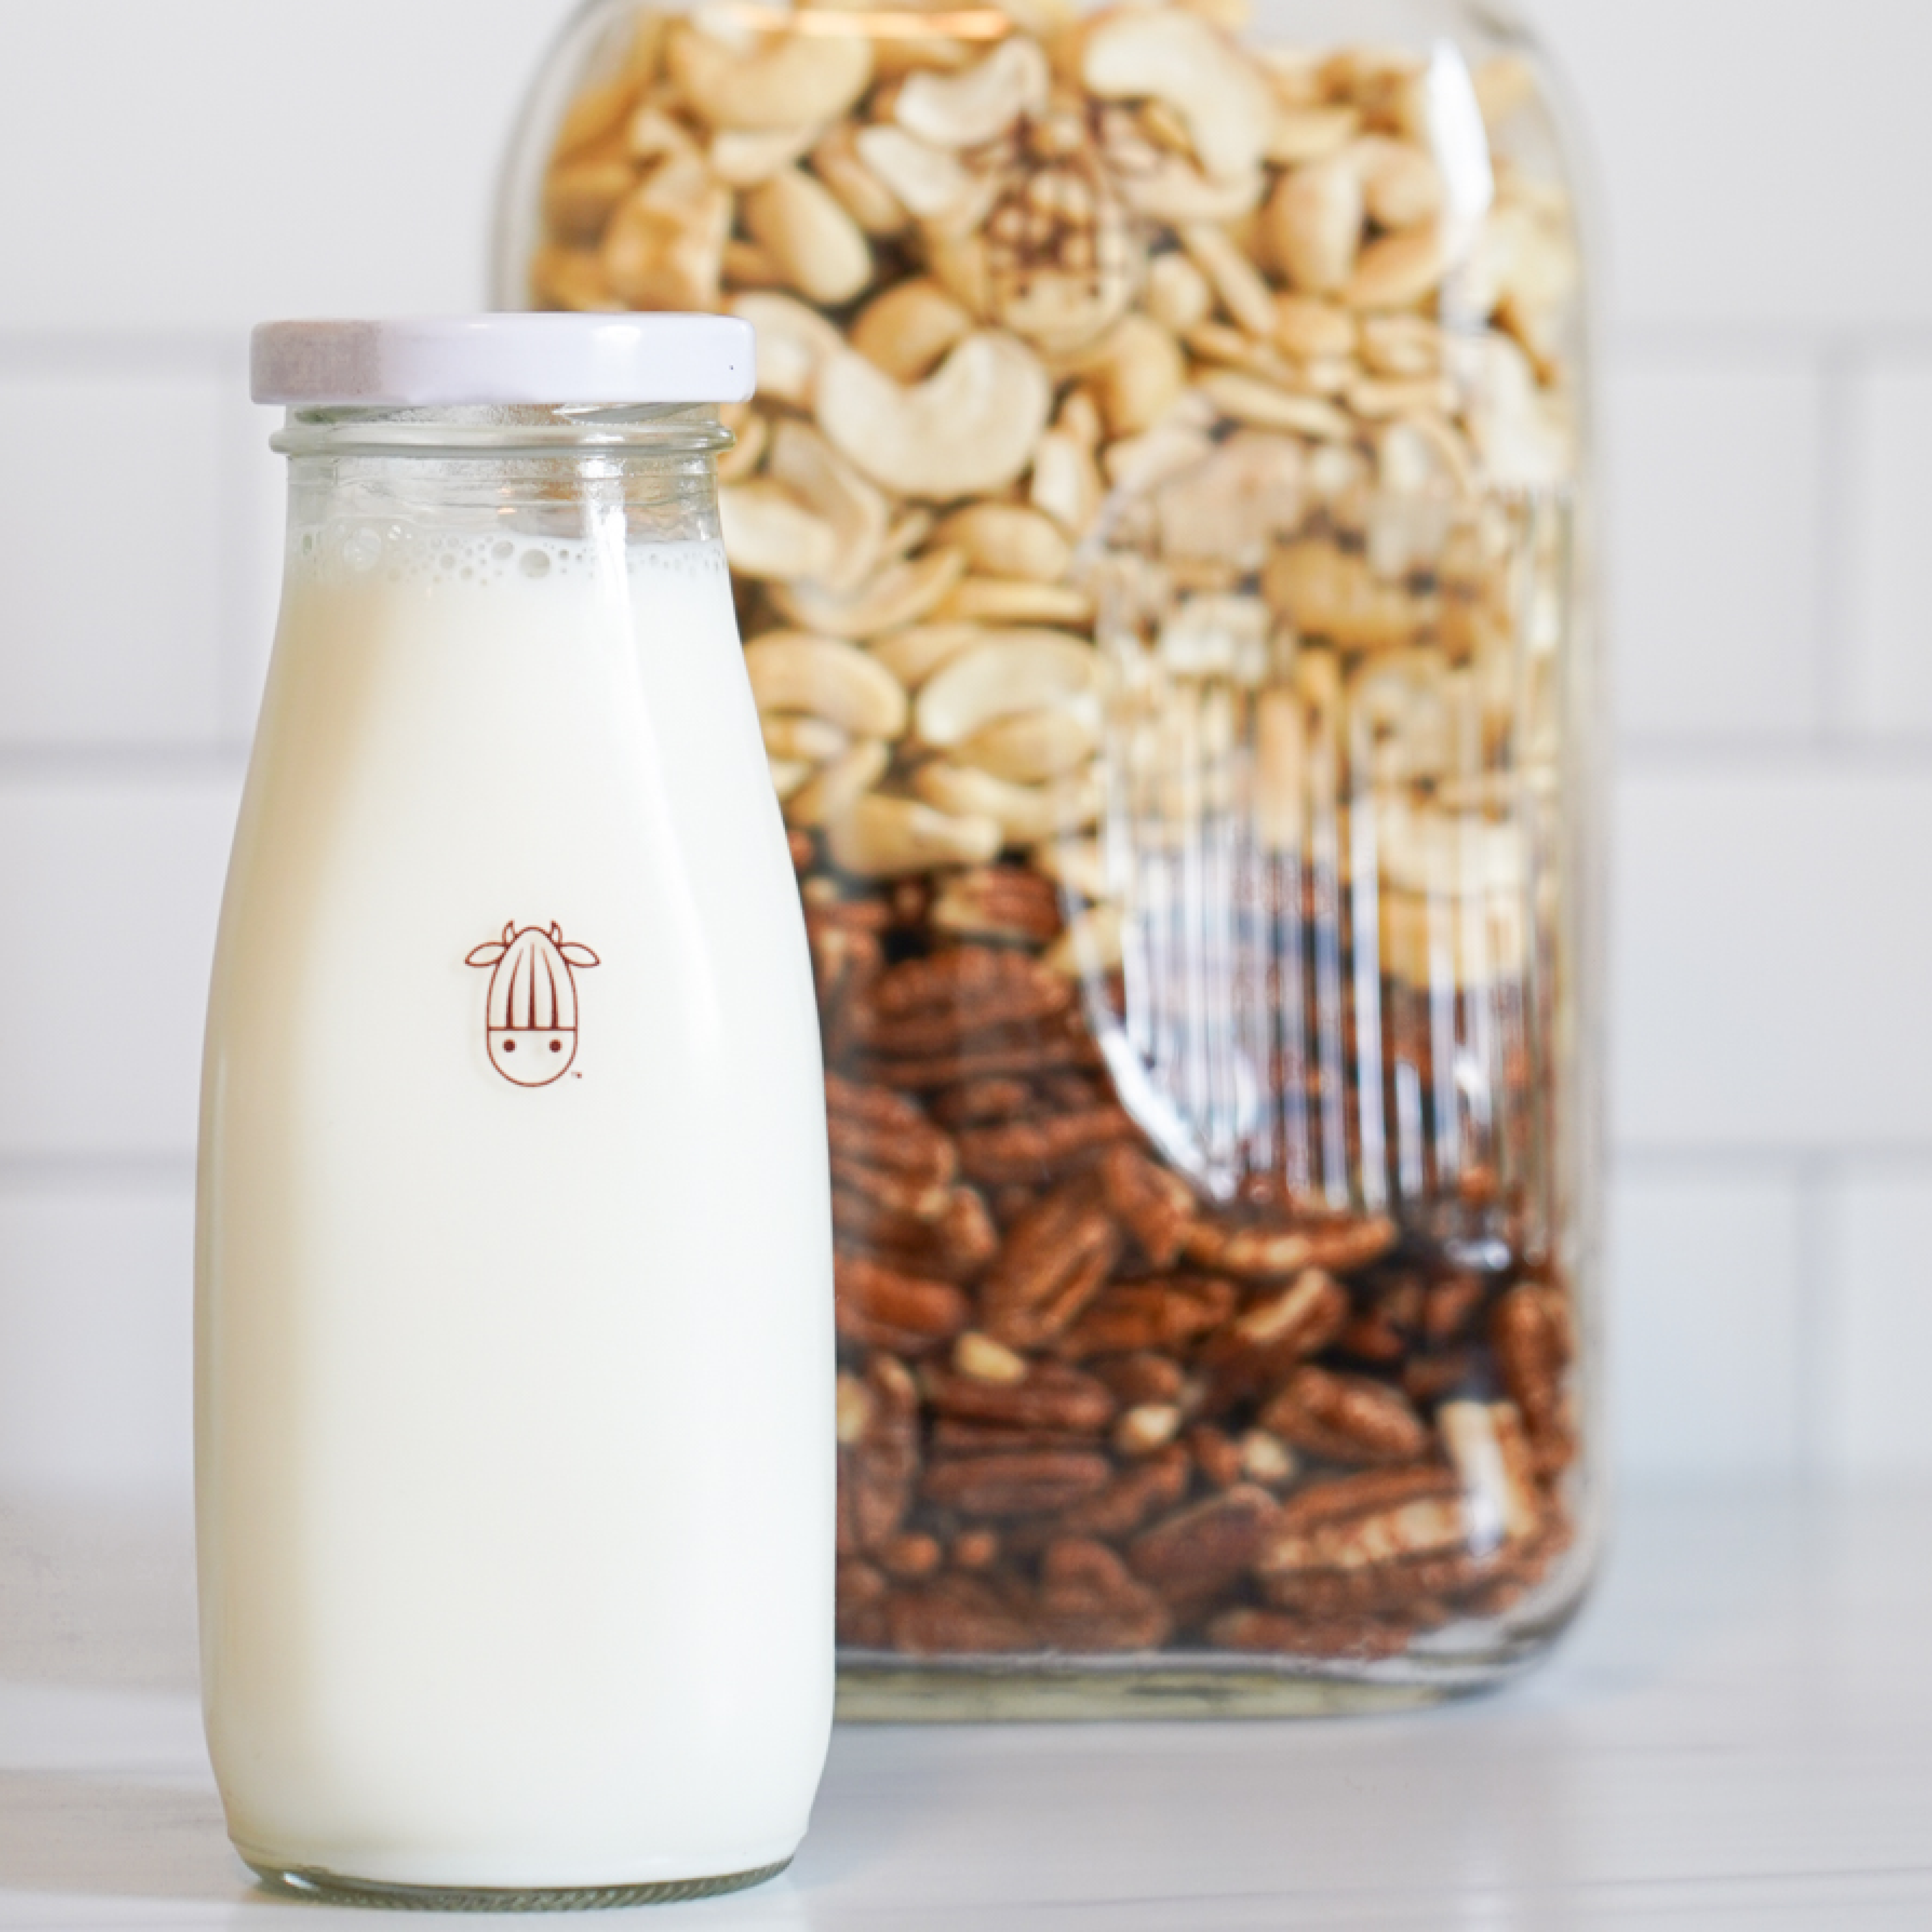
point(1159, 537)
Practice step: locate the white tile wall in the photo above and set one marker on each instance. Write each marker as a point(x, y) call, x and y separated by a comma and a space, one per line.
point(111, 886)
point(1769, 390)
point(1880, 1422)
point(124, 649)
point(97, 1336)
point(1714, 482)
point(1889, 654)
point(1757, 160)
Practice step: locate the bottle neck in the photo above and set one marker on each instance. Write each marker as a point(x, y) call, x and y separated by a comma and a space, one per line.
point(645, 474)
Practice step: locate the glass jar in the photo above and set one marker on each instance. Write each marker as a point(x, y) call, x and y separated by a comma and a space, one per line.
point(500, 1605)
point(1160, 538)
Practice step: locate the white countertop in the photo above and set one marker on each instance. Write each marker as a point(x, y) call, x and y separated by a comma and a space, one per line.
point(1738, 1736)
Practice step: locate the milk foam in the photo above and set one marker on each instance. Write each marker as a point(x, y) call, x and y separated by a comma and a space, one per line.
point(514, 1426)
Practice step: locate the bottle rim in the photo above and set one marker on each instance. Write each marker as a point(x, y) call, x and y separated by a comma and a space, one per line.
point(485, 433)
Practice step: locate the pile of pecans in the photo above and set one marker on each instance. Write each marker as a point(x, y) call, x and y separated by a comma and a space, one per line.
point(1151, 538)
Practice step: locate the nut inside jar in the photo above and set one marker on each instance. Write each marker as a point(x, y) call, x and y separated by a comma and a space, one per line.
point(1152, 538)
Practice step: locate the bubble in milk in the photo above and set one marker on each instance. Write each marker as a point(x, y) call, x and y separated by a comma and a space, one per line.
point(362, 550)
point(534, 563)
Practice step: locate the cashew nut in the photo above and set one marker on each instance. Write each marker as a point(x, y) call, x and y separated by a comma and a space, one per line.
point(792, 735)
point(840, 785)
point(1176, 57)
point(821, 251)
point(1313, 224)
point(665, 247)
point(968, 109)
point(1035, 746)
point(1074, 865)
point(882, 837)
point(969, 429)
point(1176, 294)
point(907, 330)
point(769, 532)
point(578, 198)
point(1249, 399)
point(794, 343)
point(1399, 181)
point(901, 593)
point(791, 671)
point(1243, 293)
point(862, 195)
point(1067, 481)
point(1302, 134)
point(1176, 192)
point(742, 158)
point(1400, 269)
point(915, 652)
point(1025, 814)
point(570, 278)
point(1009, 540)
point(1007, 600)
point(1137, 371)
point(778, 83)
point(931, 181)
point(788, 774)
point(1093, 944)
point(855, 513)
point(1015, 671)
point(1313, 330)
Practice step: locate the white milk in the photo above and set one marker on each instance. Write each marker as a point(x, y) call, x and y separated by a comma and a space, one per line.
point(515, 1423)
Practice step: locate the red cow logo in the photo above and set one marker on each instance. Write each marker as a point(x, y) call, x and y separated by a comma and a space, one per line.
point(531, 1016)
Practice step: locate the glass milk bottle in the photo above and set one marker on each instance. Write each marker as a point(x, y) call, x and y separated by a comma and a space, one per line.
point(515, 1445)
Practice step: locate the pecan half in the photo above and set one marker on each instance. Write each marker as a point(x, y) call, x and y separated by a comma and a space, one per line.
point(1154, 1206)
point(882, 1309)
point(1192, 1556)
point(1275, 1632)
point(1056, 1258)
point(1270, 1337)
point(1529, 1331)
point(1089, 1600)
point(853, 1103)
point(1132, 1497)
point(1059, 1042)
point(898, 1194)
point(862, 1595)
point(1264, 1253)
point(999, 902)
point(1412, 1513)
point(1136, 1380)
point(930, 1005)
point(1050, 1396)
point(1033, 1484)
point(956, 1616)
point(878, 1455)
point(1042, 1151)
point(1160, 1315)
point(1346, 1419)
point(980, 1100)
point(913, 1150)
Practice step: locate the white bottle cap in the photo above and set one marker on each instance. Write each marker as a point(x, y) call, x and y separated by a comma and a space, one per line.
point(449, 361)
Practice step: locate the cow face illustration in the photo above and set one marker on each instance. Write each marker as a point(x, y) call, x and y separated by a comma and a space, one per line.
point(531, 1011)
